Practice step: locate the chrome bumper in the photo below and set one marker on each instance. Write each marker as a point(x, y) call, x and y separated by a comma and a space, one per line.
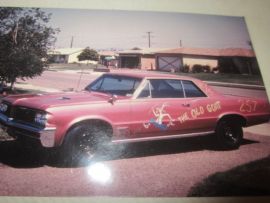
point(45, 135)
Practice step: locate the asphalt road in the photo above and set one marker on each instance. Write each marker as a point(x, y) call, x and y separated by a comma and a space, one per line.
point(150, 169)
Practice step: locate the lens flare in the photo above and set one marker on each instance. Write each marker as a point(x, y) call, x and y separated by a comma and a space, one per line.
point(99, 172)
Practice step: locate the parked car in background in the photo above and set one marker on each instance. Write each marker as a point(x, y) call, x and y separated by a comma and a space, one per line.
point(130, 108)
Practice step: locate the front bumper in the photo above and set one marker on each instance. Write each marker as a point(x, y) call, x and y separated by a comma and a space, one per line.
point(46, 136)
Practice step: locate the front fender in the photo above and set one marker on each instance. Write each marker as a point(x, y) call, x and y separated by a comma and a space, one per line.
point(61, 132)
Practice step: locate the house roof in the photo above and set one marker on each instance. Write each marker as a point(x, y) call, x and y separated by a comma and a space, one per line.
point(65, 51)
point(210, 52)
point(142, 51)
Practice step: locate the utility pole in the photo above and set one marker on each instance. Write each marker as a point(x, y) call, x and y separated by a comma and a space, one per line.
point(149, 39)
point(180, 44)
point(71, 43)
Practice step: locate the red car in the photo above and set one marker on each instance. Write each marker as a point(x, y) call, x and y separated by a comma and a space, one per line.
point(130, 108)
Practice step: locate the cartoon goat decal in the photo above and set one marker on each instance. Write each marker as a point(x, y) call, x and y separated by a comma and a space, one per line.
point(159, 120)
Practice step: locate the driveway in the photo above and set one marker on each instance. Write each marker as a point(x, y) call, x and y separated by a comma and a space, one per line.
point(150, 169)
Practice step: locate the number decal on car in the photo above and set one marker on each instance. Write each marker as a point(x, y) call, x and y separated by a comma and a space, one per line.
point(248, 106)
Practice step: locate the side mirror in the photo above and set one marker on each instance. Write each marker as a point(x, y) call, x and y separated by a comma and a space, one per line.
point(113, 98)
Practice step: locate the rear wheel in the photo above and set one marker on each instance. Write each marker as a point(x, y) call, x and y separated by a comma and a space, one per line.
point(83, 142)
point(229, 134)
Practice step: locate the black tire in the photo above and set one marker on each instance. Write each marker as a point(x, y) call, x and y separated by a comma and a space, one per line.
point(229, 134)
point(82, 143)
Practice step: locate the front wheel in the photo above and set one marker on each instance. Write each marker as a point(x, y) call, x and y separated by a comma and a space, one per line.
point(82, 144)
point(229, 134)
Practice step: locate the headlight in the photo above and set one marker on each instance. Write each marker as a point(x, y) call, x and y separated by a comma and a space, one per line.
point(41, 118)
point(3, 107)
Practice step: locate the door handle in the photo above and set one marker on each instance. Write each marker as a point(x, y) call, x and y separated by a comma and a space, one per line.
point(186, 105)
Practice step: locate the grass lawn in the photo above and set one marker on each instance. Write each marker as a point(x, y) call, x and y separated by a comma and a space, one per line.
point(252, 179)
point(78, 67)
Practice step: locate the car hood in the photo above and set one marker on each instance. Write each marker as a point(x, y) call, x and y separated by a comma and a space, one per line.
point(44, 101)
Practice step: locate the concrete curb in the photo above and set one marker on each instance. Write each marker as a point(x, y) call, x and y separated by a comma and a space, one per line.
point(235, 85)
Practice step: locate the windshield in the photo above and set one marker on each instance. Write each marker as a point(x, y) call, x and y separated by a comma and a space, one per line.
point(115, 84)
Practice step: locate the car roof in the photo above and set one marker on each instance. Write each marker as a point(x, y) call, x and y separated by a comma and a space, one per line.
point(151, 75)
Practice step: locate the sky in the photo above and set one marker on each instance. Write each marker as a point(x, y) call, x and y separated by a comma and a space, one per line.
point(108, 29)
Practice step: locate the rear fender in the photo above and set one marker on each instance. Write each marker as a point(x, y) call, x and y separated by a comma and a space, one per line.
point(233, 116)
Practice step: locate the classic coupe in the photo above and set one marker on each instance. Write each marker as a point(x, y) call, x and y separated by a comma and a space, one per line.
point(133, 107)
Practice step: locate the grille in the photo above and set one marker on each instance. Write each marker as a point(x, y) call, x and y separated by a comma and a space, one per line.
point(24, 114)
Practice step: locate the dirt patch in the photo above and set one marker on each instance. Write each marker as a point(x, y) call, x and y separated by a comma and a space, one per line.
point(4, 136)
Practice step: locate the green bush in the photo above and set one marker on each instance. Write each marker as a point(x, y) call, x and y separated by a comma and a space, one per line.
point(197, 68)
point(185, 68)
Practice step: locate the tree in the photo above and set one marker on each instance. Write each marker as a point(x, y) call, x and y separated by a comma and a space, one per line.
point(88, 54)
point(24, 42)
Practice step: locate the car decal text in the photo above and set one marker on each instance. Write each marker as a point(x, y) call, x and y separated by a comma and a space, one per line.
point(199, 111)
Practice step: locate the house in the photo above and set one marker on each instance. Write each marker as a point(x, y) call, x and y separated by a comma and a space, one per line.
point(108, 58)
point(138, 58)
point(231, 60)
point(65, 55)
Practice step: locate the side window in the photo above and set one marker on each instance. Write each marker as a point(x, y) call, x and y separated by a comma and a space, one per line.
point(162, 88)
point(117, 84)
point(146, 91)
point(191, 90)
point(96, 85)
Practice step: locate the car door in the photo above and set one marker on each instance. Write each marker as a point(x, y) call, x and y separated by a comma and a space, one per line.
point(203, 110)
point(156, 110)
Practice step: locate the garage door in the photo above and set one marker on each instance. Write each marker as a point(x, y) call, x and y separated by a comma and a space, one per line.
point(169, 63)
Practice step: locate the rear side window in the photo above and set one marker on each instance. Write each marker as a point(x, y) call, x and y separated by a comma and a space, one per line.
point(191, 90)
point(162, 88)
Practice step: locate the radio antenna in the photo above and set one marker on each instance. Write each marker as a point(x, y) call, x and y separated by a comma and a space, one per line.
point(79, 81)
